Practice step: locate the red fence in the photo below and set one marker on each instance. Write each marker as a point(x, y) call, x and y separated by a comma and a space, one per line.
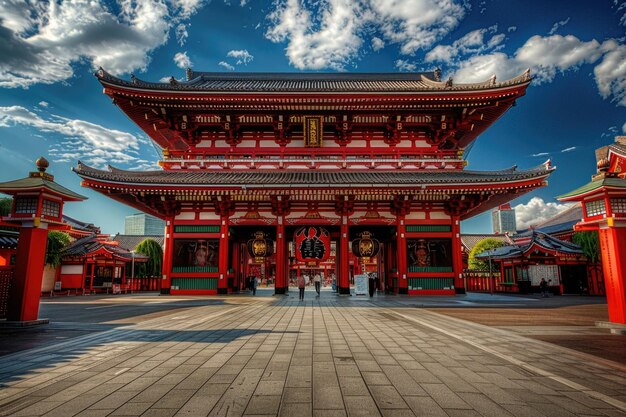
point(6, 278)
point(483, 281)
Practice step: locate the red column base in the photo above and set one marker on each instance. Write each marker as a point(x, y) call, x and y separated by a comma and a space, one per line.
point(613, 249)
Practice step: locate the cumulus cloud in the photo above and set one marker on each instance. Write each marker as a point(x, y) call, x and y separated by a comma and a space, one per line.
point(41, 42)
point(473, 43)
point(226, 65)
point(181, 33)
point(44, 104)
point(405, 66)
point(242, 56)
point(377, 44)
point(536, 211)
point(610, 73)
point(557, 25)
point(182, 60)
point(329, 33)
point(80, 139)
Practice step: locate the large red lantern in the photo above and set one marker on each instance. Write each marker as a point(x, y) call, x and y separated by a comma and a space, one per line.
point(260, 247)
point(365, 246)
point(312, 244)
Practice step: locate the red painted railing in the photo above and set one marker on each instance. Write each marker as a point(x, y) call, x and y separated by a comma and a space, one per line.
point(482, 281)
point(6, 278)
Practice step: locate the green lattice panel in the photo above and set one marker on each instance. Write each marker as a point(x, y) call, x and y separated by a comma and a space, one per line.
point(430, 269)
point(195, 283)
point(194, 269)
point(431, 283)
point(196, 229)
point(429, 228)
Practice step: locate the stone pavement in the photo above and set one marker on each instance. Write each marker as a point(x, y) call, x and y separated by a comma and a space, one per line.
point(332, 356)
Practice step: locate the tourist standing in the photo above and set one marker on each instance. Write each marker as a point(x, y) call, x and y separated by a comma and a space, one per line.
point(318, 283)
point(255, 283)
point(301, 285)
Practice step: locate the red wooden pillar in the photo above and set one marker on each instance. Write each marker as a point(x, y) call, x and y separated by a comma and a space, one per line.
point(613, 249)
point(280, 285)
point(403, 282)
point(457, 255)
point(222, 266)
point(343, 280)
point(28, 273)
point(168, 256)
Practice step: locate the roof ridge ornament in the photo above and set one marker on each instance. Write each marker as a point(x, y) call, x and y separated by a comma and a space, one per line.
point(189, 74)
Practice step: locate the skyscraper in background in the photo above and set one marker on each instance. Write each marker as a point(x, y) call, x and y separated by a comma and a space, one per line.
point(143, 224)
point(504, 220)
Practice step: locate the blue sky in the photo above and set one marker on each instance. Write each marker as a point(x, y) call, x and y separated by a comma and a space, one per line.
point(52, 105)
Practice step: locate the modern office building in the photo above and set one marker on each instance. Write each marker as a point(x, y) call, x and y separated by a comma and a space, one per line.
point(504, 220)
point(143, 224)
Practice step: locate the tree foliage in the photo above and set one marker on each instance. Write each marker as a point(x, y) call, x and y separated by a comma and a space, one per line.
point(590, 244)
point(5, 206)
point(482, 245)
point(57, 241)
point(154, 252)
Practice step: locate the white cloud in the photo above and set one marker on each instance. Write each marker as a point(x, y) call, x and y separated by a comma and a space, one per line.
point(242, 56)
point(93, 143)
point(329, 33)
point(44, 104)
point(624, 128)
point(181, 33)
point(472, 43)
point(377, 44)
point(536, 211)
point(545, 55)
point(405, 66)
point(226, 65)
point(182, 60)
point(610, 73)
point(41, 42)
point(511, 29)
point(328, 40)
point(570, 149)
point(557, 25)
point(541, 154)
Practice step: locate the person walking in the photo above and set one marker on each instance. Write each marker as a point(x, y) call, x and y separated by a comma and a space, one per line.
point(255, 283)
point(543, 286)
point(301, 285)
point(318, 283)
point(372, 284)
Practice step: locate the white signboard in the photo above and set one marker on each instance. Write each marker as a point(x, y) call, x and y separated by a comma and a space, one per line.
point(360, 284)
point(548, 272)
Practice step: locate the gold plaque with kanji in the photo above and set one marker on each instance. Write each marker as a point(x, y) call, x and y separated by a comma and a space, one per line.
point(313, 131)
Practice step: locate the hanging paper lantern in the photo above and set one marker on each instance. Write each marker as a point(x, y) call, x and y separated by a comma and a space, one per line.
point(260, 247)
point(312, 244)
point(365, 246)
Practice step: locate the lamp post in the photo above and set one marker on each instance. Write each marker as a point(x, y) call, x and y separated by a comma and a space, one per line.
point(491, 280)
point(132, 270)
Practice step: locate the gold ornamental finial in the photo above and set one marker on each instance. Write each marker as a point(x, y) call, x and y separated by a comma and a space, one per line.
point(42, 163)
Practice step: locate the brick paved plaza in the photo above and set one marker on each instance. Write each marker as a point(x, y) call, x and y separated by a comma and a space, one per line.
point(333, 356)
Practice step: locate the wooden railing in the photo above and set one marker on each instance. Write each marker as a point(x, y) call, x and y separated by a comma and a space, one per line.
point(483, 281)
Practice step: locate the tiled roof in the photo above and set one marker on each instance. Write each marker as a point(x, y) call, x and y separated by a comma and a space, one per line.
point(92, 243)
point(130, 242)
point(545, 241)
point(309, 177)
point(8, 242)
point(37, 183)
point(78, 225)
point(470, 240)
point(308, 82)
point(594, 185)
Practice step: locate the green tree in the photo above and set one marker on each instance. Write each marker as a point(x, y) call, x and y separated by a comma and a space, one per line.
point(154, 252)
point(5, 206)
point(482, 245)
point(590, 244)
point(57, 241)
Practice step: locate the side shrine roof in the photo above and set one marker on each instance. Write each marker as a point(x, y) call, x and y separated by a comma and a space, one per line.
point(93, 243)
point(34, 183)
point(265, 179)
point(546, 242)
point(309, 82)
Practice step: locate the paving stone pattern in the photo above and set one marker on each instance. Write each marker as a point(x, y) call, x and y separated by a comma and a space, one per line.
point(329, 357)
